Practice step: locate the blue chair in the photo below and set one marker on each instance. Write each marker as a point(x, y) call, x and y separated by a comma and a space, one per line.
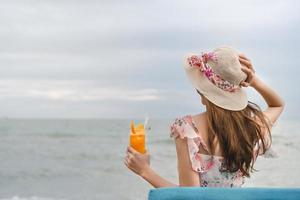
point(214, 193)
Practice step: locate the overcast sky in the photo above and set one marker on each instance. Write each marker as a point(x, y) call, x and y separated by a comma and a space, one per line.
point(123, 59)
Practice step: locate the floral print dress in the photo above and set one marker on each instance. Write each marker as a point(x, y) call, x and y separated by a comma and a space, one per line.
point(209, 167)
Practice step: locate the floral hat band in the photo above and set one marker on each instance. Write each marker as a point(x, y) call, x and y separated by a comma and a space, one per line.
point(201, 62)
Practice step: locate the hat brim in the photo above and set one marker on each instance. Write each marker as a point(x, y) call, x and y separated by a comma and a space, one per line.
point(235, 101)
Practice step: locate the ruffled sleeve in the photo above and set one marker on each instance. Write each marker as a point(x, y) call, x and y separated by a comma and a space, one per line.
point(183, 127)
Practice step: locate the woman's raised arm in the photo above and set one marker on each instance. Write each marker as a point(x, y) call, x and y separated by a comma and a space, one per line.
point(275, 102)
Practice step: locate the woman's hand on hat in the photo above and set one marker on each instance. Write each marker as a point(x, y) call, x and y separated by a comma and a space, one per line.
point(247, 67)
point(136, 161)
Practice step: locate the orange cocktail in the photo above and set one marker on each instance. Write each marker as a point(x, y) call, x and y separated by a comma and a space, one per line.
point(137, 137)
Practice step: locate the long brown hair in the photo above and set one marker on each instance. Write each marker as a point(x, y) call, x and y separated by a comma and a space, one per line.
point(237, 133)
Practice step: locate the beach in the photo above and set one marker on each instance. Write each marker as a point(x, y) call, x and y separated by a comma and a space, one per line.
point(43, 159)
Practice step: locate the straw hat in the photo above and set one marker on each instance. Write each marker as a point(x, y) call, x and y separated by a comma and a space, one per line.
point(217, 75)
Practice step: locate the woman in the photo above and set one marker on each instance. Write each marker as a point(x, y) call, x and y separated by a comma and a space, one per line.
point(217, 148)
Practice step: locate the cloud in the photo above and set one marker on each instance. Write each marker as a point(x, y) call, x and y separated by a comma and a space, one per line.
point(124, 54)
point(73, 91)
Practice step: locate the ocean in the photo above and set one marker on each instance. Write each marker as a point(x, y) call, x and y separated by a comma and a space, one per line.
point(55, 159)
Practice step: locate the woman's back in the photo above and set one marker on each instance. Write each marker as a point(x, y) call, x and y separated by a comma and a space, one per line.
point(211, 168)
point(201, 125)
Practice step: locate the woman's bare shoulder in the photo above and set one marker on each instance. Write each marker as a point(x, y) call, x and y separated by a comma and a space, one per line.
point(200, 121)
point(200, 118)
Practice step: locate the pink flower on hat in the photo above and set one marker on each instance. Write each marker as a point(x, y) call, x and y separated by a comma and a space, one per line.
point(195, 61)
point(201, 62)
point(209, 56)
point(208, 72)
